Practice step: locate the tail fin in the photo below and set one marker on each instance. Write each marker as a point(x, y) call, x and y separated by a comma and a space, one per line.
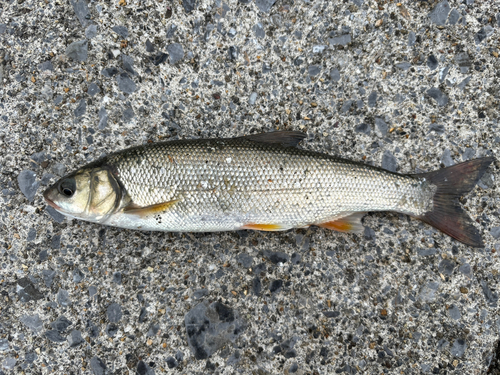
point(447, 214)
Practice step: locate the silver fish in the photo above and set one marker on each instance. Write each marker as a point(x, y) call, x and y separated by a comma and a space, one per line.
point(261, 182)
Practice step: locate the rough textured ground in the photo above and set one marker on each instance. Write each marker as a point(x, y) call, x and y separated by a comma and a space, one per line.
point(411, 86)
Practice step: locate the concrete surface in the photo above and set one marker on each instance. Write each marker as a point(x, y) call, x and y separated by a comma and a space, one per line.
point(412, 86)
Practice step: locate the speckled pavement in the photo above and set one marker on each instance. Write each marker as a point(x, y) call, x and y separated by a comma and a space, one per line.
point(411, 86)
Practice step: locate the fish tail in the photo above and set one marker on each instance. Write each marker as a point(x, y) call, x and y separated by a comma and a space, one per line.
point(447, 215)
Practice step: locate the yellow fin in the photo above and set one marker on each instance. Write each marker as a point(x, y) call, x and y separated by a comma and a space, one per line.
point(349, 224)
point(157, 208)
point(264, 227)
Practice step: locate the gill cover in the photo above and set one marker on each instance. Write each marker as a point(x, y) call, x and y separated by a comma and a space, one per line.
point(90, 194)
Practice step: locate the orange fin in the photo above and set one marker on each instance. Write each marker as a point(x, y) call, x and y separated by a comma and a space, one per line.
point(349, 224)
point(157, 208)
point(264, 227)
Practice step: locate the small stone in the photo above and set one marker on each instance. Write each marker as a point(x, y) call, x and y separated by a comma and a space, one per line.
point(91, 32)
point(454, 312)
point(78, 50)
point(114, 312)
point(4, 345)
point(63, 298)
point(464, 62)
point(256, 286)
point(335, 75)
point(144, 369)
point(80, 109)
point(389, 162)
point(27, 291)
point(275, 286)
point(483, 33)
point(266, 67)
point(189, 5)
point(46, 65)
point(171, 31)
point(75, 339)
point(440, 12)
point(82, 12)
point(171, 362)
point(128, 64)
point(253, 98)
point(209, 327)
point(103, 118)
point(264, 5)
point(318, 48)
point(381, 127)
point(346, 106)
point(438, 96)
point(175, 52)
point(372, 99)
point(9, 363)
point(495, 232)
point(464, 83)
point(31, 235)
point(443, 73)
point(403, 65)
point(458, 348)
point(446, 158)
point(446, 267)
point(466, 269)
point(33, 322)
point(111, 330)
point(117, 278)
point(28, 184)
point(93, 89)
point(55, 336)
point(432, 62)
point(491, 297)
point(121, 31)
point(342, 40)
point(125, 84)
point(276, 256)
point(412, 38)
point(48, 277)
point(363, 128)
point(128, 115)
point(57, 216)
point(109, 72)
point(453, 17)
point(438, 128)
point(428, 292)
point(61, 324)
point(232, 32)
point(233, 53)
point(258, 30)
point(314, 70)
point(149, 46)
point(97, 366)
point(245, 260)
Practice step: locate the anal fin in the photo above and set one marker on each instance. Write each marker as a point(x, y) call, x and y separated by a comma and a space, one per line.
point(349, 224)
point(134, 209)
point(264, 227)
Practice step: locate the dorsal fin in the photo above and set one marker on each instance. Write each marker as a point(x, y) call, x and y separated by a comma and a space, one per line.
point(284, 138)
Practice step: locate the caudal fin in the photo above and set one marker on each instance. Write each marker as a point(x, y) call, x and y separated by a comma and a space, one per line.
point(447, 214)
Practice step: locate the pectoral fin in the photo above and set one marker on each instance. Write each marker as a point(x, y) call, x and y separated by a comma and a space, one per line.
point(134, 209)
point(349, 224)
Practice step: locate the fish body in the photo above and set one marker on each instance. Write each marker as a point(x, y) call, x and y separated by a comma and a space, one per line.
point(261, 182)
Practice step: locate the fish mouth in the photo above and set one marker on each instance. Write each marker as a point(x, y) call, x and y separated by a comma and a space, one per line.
point(49, 201)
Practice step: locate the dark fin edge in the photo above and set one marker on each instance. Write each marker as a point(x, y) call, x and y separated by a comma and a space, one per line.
point(447, 214)
point(284, 138)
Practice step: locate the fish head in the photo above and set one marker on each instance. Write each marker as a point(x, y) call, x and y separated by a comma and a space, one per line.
point(90, 194)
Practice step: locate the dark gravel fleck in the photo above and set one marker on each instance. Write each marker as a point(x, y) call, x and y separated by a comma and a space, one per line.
point(453, 17)
point(97, 366)
point(61, 324)
point(150, 47)
point(175, 52)
point(121, 31)
point(491, 297)
point(55, 336)
point(389, 162)
point(82, 11)
point(33, 322)
point(91, 32)
point(440, 12)
point(432, 62)
point(335, 75)
point(114, 312)
point(363, 128)
point(93, 89)
point(27, 291)
point(458, 348)
point(109, 72)
point(210, 327)
point(438, 96)
point(275, 286)
point(264, 5)
point(28, 184)
point(189, 5)
point(75, 339)
point(81, 108)
point(78, 50)
point(125, 84)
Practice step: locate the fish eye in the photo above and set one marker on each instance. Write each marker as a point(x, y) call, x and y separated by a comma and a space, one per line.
point(67, 187)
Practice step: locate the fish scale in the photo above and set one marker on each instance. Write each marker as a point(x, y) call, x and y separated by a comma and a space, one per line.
point(226, 184)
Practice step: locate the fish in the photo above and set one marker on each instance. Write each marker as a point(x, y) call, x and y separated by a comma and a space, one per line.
point(260, 182)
